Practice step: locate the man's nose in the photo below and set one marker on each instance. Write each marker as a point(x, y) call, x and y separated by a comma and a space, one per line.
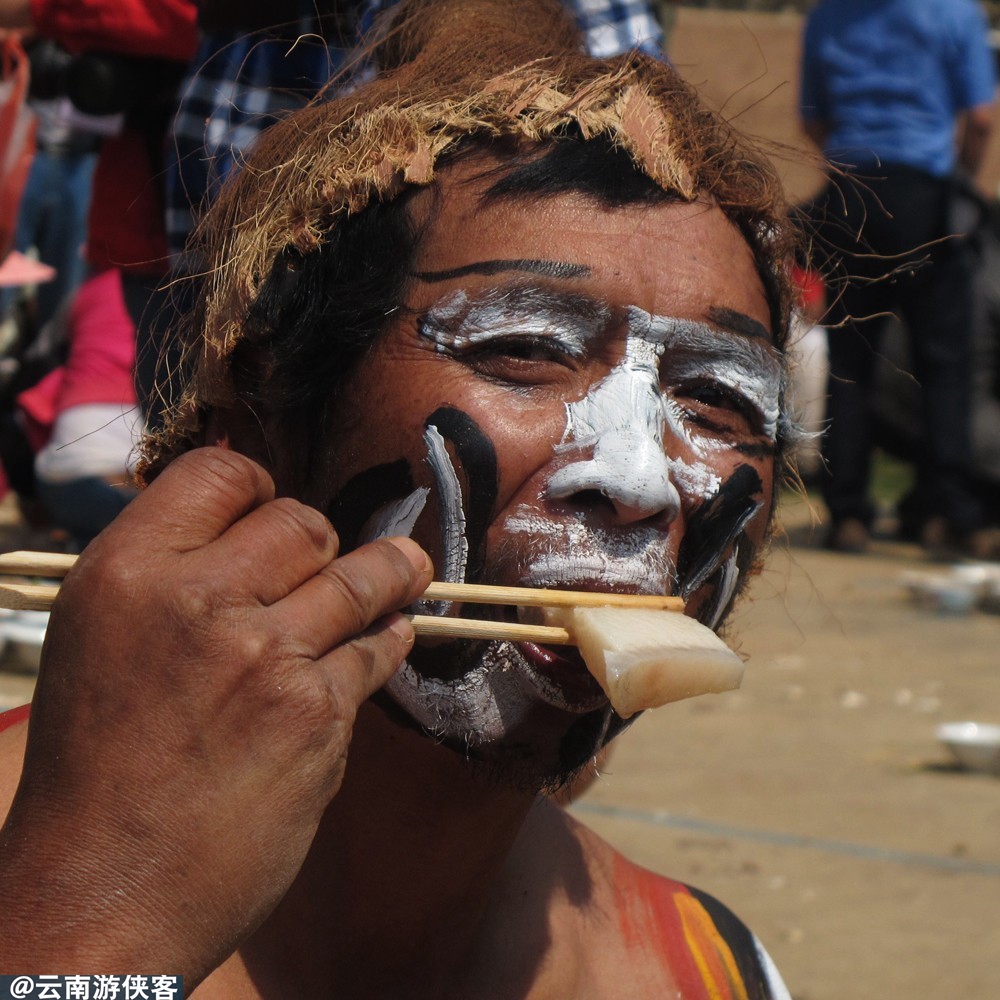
point(630, 469)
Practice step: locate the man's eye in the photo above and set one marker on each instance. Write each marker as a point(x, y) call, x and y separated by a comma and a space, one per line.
point(525, 349)
point(518, 358)
point(719, 408)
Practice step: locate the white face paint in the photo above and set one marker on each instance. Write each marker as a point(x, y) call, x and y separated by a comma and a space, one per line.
point(397, 518)
point(624, 418)
point(615, 443)
point(568, 554)
point(454, 543)
point(458, 323)
point(725, 591)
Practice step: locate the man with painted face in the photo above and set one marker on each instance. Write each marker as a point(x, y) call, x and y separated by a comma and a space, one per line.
point(506, 309)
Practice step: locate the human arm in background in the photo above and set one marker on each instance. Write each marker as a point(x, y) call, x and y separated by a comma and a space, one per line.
point(816, 131)
point(974, 131)
point(814, 112)
point(972, 74)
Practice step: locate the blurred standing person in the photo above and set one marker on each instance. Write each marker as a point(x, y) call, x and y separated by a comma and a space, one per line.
point(88, 410)
point(899, 95)
point(52, 218)
point(129, 57)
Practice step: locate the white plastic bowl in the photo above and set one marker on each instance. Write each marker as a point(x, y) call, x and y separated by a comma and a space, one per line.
point(976, 745)
point(946, 593)
point(22, 634)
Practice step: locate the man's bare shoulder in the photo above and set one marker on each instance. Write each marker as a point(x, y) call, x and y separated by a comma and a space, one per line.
point(13, 732)
point(668, 930)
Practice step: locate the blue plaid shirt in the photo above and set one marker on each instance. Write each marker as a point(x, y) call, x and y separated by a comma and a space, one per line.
point(240, 85)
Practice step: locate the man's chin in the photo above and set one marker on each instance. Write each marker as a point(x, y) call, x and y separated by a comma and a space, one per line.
point(537, 748)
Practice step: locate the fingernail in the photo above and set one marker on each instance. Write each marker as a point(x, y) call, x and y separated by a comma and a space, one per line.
point(419, 559)
point(403, 627)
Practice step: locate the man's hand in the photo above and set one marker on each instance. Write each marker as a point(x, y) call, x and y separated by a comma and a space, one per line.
point(974, 129)
point(199, 681)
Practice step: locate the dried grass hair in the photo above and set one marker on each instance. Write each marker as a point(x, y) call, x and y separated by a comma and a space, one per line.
point(295, 246)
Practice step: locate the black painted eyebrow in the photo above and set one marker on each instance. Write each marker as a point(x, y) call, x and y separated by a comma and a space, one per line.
point(739, 322)
point(547, 268)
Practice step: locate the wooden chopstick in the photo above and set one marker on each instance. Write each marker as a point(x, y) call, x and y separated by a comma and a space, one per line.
point(54, 565)
point(527, 597)
point(475, 628)
point(40, 596)
point(27, 596)
point(49, 564)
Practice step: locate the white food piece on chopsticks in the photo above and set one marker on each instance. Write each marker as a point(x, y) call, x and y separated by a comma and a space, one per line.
point(643, 658)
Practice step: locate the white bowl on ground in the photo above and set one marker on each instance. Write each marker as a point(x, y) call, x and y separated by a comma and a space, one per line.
point(21, 635)
point(976, 745)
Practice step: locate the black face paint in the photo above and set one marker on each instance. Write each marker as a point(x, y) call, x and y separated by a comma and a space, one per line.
point(364, 494)
point(587, 736)
point(715, 526)
point(549, 268)
point(478, 458)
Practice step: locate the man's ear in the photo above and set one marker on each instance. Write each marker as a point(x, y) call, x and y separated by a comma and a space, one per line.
point(266, 438)
point(237, 428)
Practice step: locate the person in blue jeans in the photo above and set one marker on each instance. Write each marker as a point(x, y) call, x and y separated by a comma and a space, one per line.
point(898, 94)
point(52, 214)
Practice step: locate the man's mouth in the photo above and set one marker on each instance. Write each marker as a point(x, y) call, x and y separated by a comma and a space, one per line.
point(556, 674)
point(559, 673)
point(561, 677)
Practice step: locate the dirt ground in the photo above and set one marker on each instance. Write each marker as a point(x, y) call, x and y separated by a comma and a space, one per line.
point(815, 801)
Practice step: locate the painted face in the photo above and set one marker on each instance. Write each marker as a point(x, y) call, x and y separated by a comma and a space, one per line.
point(576, 397)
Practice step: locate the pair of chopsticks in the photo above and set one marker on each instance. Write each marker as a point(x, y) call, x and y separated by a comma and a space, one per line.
point(55, 565)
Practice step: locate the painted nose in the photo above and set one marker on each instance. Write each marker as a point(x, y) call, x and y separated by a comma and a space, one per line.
point(630, 469)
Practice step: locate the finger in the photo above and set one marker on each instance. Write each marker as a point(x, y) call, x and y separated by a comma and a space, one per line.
point(194, 500)
point(356, 669)
point(350, 593)
point(272, 550)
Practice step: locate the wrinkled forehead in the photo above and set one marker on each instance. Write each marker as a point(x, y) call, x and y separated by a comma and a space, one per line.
point(486, 218)
point(666, 258)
